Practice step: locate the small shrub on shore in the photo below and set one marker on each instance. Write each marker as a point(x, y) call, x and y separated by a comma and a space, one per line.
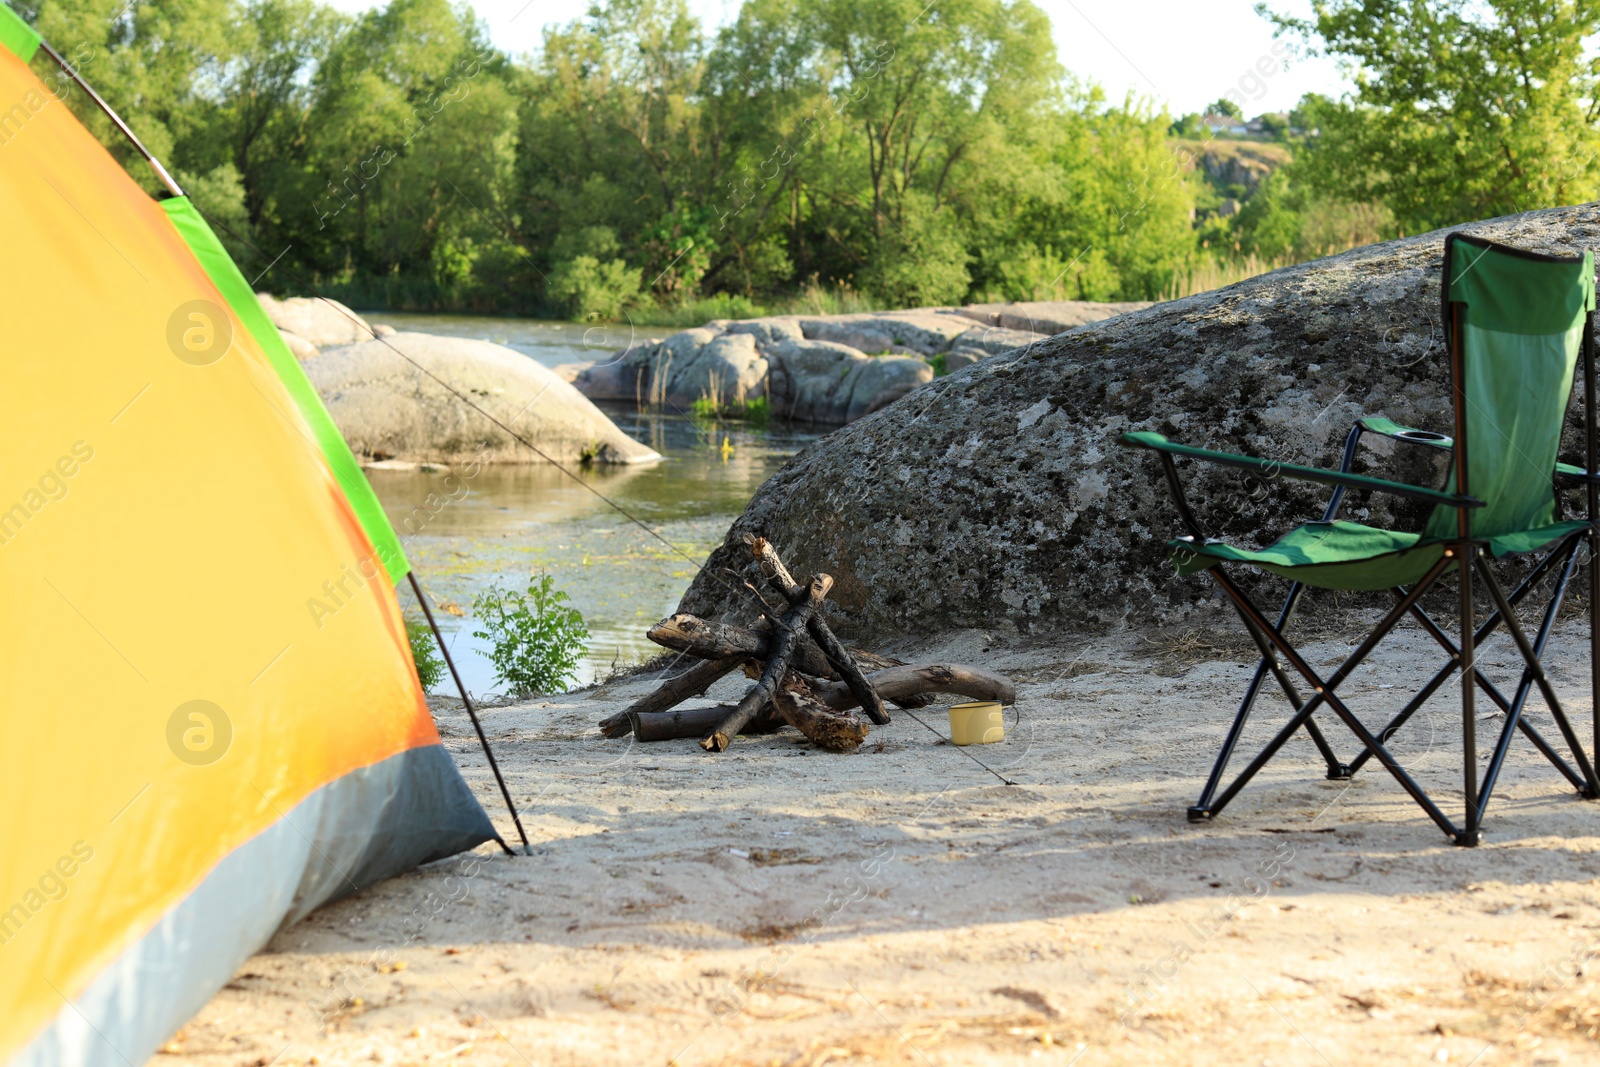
point(425, 653)
point(535, 638)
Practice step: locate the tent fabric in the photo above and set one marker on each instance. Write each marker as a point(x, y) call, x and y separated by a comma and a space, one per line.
point(241, 298)
point(194, 755)
point(327, 842)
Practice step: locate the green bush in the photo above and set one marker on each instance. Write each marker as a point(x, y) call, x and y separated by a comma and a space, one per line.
point(535, 639)
point(425, 653)
point(588, 289)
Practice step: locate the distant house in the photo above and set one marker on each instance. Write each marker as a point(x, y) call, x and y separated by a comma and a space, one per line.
point(1224, 123)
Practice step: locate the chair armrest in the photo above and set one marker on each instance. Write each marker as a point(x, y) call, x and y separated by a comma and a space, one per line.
point(1568, 474)
point(1272, 467)
point(1389, 428)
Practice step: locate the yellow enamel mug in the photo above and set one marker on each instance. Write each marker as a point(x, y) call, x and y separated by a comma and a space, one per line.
point(980, 722)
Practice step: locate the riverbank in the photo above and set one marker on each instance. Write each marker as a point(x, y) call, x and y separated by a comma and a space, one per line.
point(900, 906)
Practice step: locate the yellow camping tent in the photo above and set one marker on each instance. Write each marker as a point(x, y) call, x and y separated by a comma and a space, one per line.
point(193, 758)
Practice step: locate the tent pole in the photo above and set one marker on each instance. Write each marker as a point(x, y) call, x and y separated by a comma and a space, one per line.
point(473, 713)
point(116, 119)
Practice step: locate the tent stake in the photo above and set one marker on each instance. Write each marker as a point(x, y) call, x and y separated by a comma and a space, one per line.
point(472, 712)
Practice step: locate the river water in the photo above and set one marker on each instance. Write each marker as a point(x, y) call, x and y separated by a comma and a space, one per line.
point(623, 571)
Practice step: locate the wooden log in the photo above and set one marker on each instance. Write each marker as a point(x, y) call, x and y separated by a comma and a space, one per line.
point(783, 648)
point(719, 640)
point(899, 683)
point(675, 690)
point(773, 570)
point(693, 722)
point(848, 669)
point(826, 729)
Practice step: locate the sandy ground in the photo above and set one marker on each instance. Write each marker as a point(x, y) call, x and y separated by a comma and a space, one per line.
point(778, 905)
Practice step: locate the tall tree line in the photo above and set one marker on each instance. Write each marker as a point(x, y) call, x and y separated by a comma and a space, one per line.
point(912, 153)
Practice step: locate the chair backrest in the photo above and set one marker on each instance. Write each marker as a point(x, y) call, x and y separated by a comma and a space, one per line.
point(1515, 323)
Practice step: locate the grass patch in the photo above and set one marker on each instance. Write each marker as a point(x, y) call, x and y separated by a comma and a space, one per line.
point(757, 412)
point(813, 299)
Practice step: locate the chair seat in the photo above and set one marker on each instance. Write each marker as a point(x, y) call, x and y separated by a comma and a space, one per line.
point(1348, 555)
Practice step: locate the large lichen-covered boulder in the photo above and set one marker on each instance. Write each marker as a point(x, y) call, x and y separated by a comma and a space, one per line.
point(1047, 316)
point(997, 496)
point(388, 408)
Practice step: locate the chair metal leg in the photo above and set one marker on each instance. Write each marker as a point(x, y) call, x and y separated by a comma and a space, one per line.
point(1542, 680)
point(1325, 691)
point(1470, 835)
point(1593, 540)
point(1484, 631)
point(1525, 685)
point(1202, 808)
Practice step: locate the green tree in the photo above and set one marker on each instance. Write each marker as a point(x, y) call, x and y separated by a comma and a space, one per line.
point(1462, 109)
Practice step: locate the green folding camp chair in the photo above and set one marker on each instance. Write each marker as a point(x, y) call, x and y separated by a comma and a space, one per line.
point(1516, 324)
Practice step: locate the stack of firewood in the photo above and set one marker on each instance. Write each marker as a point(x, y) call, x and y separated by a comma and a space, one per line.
point(804, 676)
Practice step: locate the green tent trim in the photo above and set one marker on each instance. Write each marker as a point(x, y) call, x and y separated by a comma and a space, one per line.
point(224, 274)
point(17, 35)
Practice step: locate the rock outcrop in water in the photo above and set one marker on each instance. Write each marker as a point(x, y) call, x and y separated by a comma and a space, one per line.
point(388, 409)
point(310, 323)
point(997, 496)
point(828, 369)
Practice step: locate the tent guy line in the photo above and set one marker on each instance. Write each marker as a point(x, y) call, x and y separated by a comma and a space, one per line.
point(535, 449)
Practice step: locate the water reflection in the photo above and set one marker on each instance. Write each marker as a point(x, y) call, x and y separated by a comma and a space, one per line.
point(509, 521)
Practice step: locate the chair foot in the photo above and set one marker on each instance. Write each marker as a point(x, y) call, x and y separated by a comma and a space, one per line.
point(1588, 793)
point(1467, 840)
point(1341, 773)
point(1199, 814)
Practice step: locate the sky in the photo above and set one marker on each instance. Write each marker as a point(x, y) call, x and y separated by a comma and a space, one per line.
point(1179, 53)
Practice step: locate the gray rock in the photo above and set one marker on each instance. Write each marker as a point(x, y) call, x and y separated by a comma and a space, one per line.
point(821, 381)
point(321, 322)
point(299, 347)
point(997, 496)
point(688, 366)
point(622, 377)
point(923, 332)
point(961, 356)
point(1047, 316)
point(768, 331)
point(993, 340)
point(728, 368)
point(388, 409)
point(879, 382)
